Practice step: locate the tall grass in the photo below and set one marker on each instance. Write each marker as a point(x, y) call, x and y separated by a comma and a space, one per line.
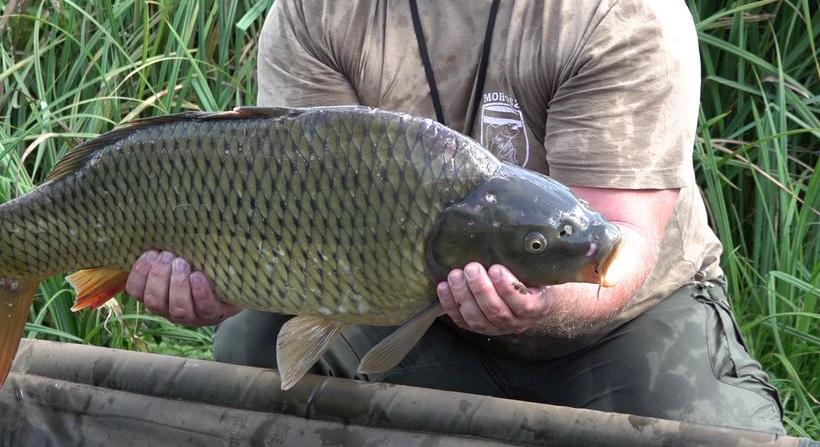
point(70, 70)
point(757, 154)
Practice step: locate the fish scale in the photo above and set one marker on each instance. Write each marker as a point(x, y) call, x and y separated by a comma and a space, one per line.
point(235, 163)
point(340, 215)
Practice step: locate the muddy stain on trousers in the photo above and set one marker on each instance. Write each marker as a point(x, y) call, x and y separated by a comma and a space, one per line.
point(683, 359)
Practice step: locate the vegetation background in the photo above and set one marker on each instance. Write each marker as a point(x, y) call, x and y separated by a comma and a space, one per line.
point(70, 70)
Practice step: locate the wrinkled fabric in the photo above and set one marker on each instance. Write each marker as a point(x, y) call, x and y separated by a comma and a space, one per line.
point(73, 395)
point(683, 359)
point(595, 93)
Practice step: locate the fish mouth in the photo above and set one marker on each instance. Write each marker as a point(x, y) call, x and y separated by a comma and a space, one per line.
point(602, 273)
point(609, 277)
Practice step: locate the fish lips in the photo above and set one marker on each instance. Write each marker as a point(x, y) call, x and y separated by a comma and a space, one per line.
point(602, 272)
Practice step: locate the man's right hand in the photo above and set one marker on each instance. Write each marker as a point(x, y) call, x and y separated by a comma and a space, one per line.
point(167, 287)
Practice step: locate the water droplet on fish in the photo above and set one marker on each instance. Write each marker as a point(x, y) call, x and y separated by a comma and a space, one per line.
point(10, 305)
point(496, 224)
point(490, 198)
point(471, 223)
point(341, 309)
point(325, 311)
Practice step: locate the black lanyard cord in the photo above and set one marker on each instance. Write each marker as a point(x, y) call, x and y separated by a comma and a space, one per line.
point(428, 68)
point(425, 60)
point(482, 68)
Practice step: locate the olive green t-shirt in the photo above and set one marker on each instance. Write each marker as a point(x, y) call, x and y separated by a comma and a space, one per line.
point(596, 93)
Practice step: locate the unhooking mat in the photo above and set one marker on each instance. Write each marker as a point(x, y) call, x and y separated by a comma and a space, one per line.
point(72, 395)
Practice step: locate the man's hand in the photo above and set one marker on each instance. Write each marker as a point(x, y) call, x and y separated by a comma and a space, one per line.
point(491, 302)
point(494, 303)
point(167, 287)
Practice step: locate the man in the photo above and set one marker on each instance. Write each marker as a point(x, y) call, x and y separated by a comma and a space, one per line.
point(602, 95)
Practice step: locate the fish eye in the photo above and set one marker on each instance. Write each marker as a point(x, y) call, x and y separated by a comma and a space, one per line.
point(535, 243)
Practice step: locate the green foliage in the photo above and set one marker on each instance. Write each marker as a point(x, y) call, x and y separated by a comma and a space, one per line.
point(757, 161)
point(70, 70)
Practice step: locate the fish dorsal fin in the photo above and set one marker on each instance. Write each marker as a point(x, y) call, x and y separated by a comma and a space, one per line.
point(265, 112)
point(77, 157)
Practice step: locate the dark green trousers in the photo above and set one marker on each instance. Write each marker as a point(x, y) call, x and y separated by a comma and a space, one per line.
point(683, 359)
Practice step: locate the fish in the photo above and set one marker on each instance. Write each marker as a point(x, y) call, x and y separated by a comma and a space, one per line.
point(336, 215)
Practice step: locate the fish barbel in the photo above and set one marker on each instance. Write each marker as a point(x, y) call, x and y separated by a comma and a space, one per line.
point(339, 215)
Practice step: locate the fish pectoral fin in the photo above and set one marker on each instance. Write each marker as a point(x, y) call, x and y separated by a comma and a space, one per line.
point(390, 351)
point(302, 340)
point(15, 302)
point(96, 286)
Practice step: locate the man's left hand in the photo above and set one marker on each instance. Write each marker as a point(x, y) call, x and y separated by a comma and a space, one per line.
point(491, 302)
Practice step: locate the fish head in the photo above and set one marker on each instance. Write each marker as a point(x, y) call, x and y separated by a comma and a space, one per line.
point(531, 224)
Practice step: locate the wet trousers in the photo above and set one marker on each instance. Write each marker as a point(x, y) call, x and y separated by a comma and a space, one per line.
point(683, 359)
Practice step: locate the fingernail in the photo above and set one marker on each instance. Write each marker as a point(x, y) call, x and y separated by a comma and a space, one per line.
point(166, 257)
point(180, 266)
point(495, 273)
point(150, 256)
point(198, 279)
point(456, 277)
point(471, 271)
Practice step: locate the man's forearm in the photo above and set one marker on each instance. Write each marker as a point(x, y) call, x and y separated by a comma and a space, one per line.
point(579, 308)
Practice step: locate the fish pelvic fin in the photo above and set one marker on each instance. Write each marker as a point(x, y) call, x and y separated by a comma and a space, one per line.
point(390, 351)
point(96, 286)
point(301, 342)
point(15, 301)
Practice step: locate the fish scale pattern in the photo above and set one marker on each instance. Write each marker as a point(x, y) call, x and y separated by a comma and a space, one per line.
point(324, 212)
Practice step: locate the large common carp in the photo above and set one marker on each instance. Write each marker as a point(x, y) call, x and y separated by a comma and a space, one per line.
point(341, 215)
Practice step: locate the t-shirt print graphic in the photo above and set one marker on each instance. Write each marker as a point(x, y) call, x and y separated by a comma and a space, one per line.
point(502, 128)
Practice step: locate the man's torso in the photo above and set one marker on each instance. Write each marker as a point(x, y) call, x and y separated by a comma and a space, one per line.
point(561, 97)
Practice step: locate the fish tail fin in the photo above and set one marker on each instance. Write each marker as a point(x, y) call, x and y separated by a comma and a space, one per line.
point(15, 301)
point(96, 286)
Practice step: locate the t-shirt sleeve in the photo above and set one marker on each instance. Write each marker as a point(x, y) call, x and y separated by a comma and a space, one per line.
point(625, 115)
point(295, 66)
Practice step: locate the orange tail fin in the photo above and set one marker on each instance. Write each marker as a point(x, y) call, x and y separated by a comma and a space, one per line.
point(96, 286)
point(15, 301)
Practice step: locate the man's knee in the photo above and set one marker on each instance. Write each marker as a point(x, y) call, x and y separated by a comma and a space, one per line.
point(248, 338)
point(684, 360)
point(705, 358)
